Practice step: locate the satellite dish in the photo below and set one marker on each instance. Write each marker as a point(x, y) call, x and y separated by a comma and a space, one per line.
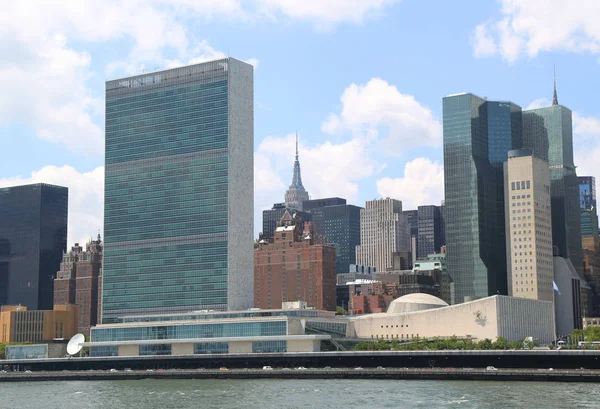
point(74, 345)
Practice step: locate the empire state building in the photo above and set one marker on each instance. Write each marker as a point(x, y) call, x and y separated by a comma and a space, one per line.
point(296, 194)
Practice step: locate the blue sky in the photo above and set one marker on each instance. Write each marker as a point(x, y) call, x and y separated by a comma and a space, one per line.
point(360, 80)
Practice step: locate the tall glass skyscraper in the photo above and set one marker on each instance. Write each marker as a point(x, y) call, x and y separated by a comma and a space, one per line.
point(548, 132)
point(342, 230)
point(477, 137)
point(33, 237)
point(178, 223)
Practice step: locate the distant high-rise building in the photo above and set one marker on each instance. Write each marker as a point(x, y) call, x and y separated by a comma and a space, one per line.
point(384, 232)
point(413, 222)
point(587, 192)
point(77, 282)
point(548, 132)
point(179, 191)
point(33, 236)
point(272, 216)
point(430, 231)
point(426, 230)
point(296, 194)
point(590, 239)
point(316, 208)
point(528, 227)
point(477, 137)
point(294, 268)
point(342, 230)
point(589, 214)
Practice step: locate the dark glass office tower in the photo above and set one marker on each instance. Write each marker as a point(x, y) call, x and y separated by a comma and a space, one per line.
point(430, 230)
point(412, 217)
point(342, 229)
point(178, 222)
point(316, 208)
point(33, 237)
point(548, 132)
point(587, 205)
point(477, 137)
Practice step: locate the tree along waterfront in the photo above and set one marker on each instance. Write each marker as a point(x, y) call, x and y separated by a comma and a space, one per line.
point(441, 344)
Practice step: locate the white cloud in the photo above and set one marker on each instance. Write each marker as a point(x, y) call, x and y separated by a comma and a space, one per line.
point(44, 86)
point(422, 184)
point(325, 14)
point(586, 128)
point(539, 103)
point(586, 133)
point(368, 108)
point(533, 26)
point(86, 197)
point(204, 52)
point(483, 42)
point(45, 82)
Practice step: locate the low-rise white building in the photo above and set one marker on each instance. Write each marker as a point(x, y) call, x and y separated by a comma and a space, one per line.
point(426, 316)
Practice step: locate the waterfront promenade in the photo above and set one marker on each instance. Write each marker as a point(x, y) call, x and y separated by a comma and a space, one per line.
point(497, 374)
point(503, 360)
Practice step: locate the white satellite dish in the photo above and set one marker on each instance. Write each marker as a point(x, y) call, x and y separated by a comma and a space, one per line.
point(74, 345)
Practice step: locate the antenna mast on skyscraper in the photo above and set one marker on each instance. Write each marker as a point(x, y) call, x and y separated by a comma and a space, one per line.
point(554, 96)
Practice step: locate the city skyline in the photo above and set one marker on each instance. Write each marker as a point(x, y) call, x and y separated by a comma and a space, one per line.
point(353, 141)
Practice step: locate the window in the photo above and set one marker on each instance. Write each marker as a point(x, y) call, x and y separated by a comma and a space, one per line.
point(155, 349)
point(512, 186)
point(528, 184)
point(271, 346)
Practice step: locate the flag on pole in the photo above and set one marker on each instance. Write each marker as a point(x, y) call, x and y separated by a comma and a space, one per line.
point(555, 287)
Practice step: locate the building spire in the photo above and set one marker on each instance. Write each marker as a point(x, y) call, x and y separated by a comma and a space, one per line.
point(296, 145)
point(296, 194)
point(297, 179)
point(555, 96)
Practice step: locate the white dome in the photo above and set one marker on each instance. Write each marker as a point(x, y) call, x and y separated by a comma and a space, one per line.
point(415, 302)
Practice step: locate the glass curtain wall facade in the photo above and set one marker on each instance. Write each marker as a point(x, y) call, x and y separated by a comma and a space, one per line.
point(587, 204)
point(477, 137)
point(316, 209)
point(179, 191)
point(33, 237)
point(175, 331)
point(430, 231)
point(548, 132)
point(342, 229)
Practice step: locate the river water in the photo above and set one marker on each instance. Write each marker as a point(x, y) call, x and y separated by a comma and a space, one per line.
point(329, 394)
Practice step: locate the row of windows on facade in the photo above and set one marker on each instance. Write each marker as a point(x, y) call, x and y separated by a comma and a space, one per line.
point(199, 349)
point(522, 185)
point(397, 336)
point(210, 104)
point(191, 331)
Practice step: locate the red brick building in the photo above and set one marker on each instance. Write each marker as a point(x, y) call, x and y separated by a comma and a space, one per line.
point(294, 268)
point(79, 282)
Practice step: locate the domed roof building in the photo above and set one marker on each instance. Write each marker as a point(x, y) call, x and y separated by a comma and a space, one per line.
point(415, 302)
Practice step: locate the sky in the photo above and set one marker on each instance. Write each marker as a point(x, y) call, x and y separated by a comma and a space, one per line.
point(361, 81)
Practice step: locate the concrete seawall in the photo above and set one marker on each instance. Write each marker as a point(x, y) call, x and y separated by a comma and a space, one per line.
point(538, 375)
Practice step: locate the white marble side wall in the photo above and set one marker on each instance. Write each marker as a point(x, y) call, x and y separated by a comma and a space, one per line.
point(241, 186)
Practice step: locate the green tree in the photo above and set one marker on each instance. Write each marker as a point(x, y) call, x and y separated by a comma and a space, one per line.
point(485, 344)
point(500, 343)
point(340, 311)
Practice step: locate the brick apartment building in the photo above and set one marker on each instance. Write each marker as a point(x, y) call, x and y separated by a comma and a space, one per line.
point(79, 282)
point(294, 268)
